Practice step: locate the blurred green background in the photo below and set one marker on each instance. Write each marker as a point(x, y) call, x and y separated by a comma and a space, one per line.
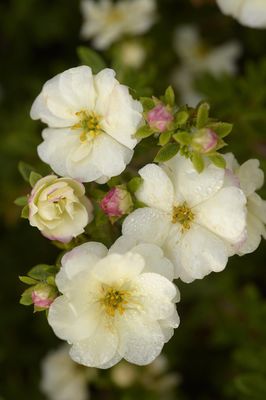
point(219, 350)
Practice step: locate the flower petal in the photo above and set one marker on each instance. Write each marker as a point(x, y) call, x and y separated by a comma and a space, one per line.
point(98, 349)
point(157, 189)
point(141, 339)
point(224, 214)
point(251, 176)
point(147, 225)
point(190, 185)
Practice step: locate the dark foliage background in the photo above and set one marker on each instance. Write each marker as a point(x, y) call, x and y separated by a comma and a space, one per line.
point(220, 348)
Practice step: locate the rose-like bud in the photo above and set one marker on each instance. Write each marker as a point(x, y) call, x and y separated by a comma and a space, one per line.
point(59, 208)
point(117, 202)
point(43, 295)
point(159, 118)
point(205, 140)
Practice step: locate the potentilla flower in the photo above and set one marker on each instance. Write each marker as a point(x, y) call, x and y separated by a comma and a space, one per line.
point(159, 118)
point(43, 295)
point(59, 208)
point(190, 215)
point(250, 178)
point(196, 58)
point(105, 21)
point(114, 306)
point(63, 379)
point(92, 120)
point(117, 202)
point(251, 13)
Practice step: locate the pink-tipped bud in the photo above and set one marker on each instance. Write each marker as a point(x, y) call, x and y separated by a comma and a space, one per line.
point(159, 118)
point(43, 296)
point(205, 140)
point(117, 202)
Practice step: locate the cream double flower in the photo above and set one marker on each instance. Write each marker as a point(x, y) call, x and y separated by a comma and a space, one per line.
point(59, 208)
point(92, 120)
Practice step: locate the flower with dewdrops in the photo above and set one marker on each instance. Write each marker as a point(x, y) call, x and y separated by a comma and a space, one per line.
point(251, 13)
point(59, 208)
point(249, 177)
point(63, 379)
point(190, 215)
point(105, 22)
point(197, 58)
point(113, 305)
point(91, 121)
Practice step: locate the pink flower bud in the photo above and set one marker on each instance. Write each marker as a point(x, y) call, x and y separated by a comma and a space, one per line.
point(117, 202)
point(159, 118)
point(43, 296)
point(205, 140)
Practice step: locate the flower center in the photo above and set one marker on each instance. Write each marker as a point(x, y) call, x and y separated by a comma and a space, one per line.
point(89, 123)
point(183, 215)
point(114, 300)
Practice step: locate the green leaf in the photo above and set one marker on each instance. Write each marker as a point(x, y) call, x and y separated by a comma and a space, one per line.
point(167, 152)
point(169, 96)
point(183, 138)
point(25, 212)
point(222, 129)
point(164, 138)
point(25, 170)
point(144, 132)
point(34, 178)
point(202, 115)
point(147, 103)
point(217, 160)
point(26, 299)
point(42, 271)
point(90, 58)
point(198, 162)
point(134, 184)
point(27, 280)
point(181, 118)
point(51, 280)
point(21, 201)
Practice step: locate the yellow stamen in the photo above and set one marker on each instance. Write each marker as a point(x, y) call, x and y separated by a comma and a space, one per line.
point(90, 125)
point(183, 215)
point(114, 300)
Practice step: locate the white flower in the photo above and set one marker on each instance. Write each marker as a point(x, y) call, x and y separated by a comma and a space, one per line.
point(106, 22)
point(191, 215)
point(113, 306)
point(62, 378)
point(92, 120)
point(250, 178)
point(59, 208)
point(196, 58)
point(251, 13)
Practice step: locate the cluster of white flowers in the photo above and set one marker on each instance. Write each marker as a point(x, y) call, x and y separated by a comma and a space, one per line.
point(105, 21)
point(251, 13)
point(120, 303)
point(196, 58)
